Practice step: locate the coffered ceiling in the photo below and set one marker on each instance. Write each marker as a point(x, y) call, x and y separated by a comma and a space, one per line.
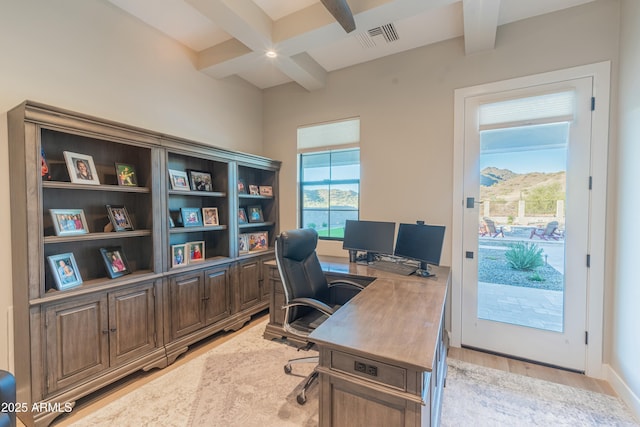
point(233, 37)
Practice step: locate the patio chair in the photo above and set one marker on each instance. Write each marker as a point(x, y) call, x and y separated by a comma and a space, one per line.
point(549, 232)
point(488, 228)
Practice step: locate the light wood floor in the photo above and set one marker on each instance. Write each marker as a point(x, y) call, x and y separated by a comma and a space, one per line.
point(111, 393)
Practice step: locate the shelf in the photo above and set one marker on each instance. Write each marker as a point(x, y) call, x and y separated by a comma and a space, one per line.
point(254, 196)
point(96, 236)
point(256, 224)
point(177, 230)
point(94, 285)
point(198, 193)
point(115, 188)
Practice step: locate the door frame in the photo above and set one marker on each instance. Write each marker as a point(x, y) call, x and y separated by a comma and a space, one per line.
point(600, 72)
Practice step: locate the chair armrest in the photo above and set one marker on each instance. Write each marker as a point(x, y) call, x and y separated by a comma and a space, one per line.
point(313, 303)
point(345, 284)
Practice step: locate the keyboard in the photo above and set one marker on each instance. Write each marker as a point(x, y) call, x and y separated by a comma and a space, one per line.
point(394, 267)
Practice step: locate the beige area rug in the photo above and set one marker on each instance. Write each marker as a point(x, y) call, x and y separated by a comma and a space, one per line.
point(242, 383)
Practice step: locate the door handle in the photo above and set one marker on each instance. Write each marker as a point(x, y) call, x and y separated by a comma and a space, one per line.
point(471, 202)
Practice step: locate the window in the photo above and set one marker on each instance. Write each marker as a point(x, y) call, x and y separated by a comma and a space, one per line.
point(329, 176)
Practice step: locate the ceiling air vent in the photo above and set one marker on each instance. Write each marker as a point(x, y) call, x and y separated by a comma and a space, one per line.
point(375, 36)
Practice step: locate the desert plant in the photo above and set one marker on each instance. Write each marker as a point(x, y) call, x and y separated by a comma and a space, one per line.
point(524, 256)
point(536, 277)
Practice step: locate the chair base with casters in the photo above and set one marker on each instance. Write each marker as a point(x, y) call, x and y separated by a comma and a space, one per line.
point(309, 298)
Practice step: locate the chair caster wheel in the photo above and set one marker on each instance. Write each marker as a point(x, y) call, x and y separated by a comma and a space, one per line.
point(287, 369)
point(301, 398)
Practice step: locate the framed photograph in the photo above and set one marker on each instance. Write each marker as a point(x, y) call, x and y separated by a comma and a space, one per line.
point(44, 167)
point(243, 244)
point(126, 175)
point(179, 255)
point(81, 168)
point(242, 188)
point(69, 222)
point(114, 261)
point(196, 251)
point(65, 271)
point(254, 190)
point(179, 180)
point(242, 216)
point(119, 218)
point(210, 216)
point(200, 180)
point(255, 214)
point(191, 217)
point(258, 241)
point(266, 190)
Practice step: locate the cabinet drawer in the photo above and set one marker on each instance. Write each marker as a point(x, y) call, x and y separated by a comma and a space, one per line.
point(371, 370)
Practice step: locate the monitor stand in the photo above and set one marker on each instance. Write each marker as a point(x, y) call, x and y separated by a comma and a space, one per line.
point(424, 270)
point(371, 257)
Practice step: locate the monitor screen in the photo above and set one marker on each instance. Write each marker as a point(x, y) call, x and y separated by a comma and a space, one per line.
point(420, 242)
point(369, 236)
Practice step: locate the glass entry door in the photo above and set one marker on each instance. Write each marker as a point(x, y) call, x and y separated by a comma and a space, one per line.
point(527, 157)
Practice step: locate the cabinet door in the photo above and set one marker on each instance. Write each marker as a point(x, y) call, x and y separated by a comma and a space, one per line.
point(187, 312)
point(76, 341)
point(265, 289)
point(132, 324)
point(249, 283)
point(217, 294)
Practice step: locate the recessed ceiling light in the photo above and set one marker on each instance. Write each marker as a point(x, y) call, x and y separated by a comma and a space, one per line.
point(271, 54)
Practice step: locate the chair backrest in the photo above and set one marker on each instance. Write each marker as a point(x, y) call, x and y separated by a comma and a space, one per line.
point(551, 227)
point(299, 267)
point(491, 226)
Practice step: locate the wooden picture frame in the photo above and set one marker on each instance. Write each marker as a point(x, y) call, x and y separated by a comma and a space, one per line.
point(200, 180)
point(242, 188)
point(196, 251)
point(191, 217)
point(179, 256)
point(115, 263)
point(243, 244)
point(81, 168)
point(258, 241)
point(254, 190)
point(179, 180)
point(69, 222)
point(64, 271)
point(119, 218)
point(210, 216)
point(266, 190)
point(126, 175)
point(255, 214)
point(242, 216)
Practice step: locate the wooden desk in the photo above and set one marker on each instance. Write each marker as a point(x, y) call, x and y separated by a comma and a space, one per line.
point(383, 355)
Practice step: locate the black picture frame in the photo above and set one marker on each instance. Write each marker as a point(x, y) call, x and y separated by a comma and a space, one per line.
point(191, 217)
point(255, 214)
point(115, 262)
point(119, 218)
point(126, 175)
point(200, 180)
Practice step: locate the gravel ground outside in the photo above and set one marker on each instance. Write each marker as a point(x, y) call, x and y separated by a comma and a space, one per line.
point(494, 268)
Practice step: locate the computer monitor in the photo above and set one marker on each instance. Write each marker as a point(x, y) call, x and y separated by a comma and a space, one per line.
point(421, 243)
point(369, 236)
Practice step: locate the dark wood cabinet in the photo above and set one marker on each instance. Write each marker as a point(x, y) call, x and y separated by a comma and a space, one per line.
point(74, 340)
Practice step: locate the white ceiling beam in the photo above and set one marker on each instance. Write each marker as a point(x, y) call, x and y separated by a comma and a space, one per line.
point(304, 70)
point(480, 24)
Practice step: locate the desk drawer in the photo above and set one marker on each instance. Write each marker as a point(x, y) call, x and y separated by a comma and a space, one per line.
point(371, 370)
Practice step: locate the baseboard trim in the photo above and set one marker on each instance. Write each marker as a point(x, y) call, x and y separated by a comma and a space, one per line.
point(624, 392)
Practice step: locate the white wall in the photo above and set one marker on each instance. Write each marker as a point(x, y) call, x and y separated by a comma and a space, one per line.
point(625, 322)
point(406, 107)
point(90, 57)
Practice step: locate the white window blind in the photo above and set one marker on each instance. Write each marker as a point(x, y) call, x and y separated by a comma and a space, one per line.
point(341, 134)
point(548, 108)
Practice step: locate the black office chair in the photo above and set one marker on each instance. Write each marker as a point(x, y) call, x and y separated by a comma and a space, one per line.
point(309, 299)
